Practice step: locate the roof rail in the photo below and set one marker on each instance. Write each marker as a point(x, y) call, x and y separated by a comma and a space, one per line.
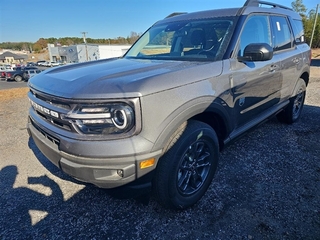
point(255, 3)
point(175, 14)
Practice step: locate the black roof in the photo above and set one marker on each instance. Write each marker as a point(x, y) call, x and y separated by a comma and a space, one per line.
point(202, 14)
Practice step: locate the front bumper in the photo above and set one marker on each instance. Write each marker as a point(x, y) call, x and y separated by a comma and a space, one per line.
point(119, 165)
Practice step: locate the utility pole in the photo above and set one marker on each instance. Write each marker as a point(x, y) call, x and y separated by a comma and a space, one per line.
point(314, 25)
point(85, 43)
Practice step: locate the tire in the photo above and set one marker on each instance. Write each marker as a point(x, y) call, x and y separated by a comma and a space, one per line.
point(18, 78)
point(186, 170)
point(293, 110)
point(25, 77)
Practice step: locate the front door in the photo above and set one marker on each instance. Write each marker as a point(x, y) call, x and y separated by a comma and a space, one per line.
point(255, 85)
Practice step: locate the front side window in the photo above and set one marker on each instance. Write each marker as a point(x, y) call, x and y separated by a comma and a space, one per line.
point(281, 33)
point(184, 40)
point(255, 30)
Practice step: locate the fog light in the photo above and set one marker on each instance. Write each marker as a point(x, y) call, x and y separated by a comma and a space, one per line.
point(120, 172)
point(147, 163)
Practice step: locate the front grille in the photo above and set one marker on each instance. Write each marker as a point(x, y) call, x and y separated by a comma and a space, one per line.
point(45, 134)
point(56, 122)
point(45, 104)
point(52, 101)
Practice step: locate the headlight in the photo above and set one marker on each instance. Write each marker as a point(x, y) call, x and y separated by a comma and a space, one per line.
point(115, 118)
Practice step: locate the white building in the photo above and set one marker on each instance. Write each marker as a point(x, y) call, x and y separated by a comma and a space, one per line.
point(85, 52)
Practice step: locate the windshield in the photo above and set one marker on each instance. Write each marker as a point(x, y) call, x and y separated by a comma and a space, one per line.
point(184, 40)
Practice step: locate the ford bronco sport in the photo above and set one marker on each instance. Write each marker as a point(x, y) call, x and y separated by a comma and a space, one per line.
point(161, 113)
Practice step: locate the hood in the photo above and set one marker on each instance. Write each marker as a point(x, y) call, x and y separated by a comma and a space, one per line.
point(121, 78)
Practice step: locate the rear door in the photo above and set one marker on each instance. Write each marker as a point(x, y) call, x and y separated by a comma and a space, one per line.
point(256, 85)
point(289, 54)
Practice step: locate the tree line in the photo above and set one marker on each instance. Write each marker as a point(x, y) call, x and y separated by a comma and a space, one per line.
point(42, 43)
point(308, 18)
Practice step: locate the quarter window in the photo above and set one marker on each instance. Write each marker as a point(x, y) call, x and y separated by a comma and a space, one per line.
point(298, 31)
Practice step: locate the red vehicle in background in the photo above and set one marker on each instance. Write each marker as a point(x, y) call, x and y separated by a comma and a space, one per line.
point(18, 74)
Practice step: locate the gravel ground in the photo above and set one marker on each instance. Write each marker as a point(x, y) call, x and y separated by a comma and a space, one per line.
point(266, 187)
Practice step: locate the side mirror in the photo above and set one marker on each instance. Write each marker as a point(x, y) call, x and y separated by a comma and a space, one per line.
point(257, 52)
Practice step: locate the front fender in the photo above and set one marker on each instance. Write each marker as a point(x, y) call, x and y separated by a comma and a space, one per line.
point(188, 111)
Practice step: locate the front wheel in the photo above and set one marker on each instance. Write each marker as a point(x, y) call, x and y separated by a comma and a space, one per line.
point(293, 111)
point(186, 170)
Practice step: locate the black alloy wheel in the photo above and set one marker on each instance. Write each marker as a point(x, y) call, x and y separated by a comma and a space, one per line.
point(293, 111)
point(186, 170)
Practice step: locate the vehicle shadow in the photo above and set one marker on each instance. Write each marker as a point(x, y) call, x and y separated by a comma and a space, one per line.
point(16, 203)
point(85, 209)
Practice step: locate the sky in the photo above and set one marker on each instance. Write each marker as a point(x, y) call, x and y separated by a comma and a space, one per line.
point(29, 20)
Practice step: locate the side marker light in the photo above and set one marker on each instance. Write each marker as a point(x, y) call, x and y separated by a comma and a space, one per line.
point(147, 163)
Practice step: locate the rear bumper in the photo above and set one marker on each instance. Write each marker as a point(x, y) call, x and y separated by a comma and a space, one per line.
point(109, 171)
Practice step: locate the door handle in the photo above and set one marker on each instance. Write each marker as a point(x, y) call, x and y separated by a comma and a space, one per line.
point(273, 68)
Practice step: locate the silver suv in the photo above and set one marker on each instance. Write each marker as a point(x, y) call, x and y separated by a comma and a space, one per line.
point(160, 115)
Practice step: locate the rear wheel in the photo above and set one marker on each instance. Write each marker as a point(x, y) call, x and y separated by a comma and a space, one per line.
point(186, 170)
point(18, 78)
point(293, 111)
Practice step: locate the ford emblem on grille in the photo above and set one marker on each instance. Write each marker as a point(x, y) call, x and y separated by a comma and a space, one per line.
point(44, 110)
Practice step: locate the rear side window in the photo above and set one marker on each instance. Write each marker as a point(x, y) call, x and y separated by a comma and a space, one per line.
point(282, 37)
point(297, 27)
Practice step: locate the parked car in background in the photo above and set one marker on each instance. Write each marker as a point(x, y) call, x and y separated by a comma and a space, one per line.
point(31, 64)
point(2, 72)
point(47, 64)
point(54, 64)
point(2, 75)
point(17, 74)
point(6, 67)
point(39, 63)
point(30, 73)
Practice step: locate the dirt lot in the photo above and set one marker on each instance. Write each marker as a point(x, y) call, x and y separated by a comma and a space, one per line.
point(11, 94)
point(266, 187)
point(316, 53)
